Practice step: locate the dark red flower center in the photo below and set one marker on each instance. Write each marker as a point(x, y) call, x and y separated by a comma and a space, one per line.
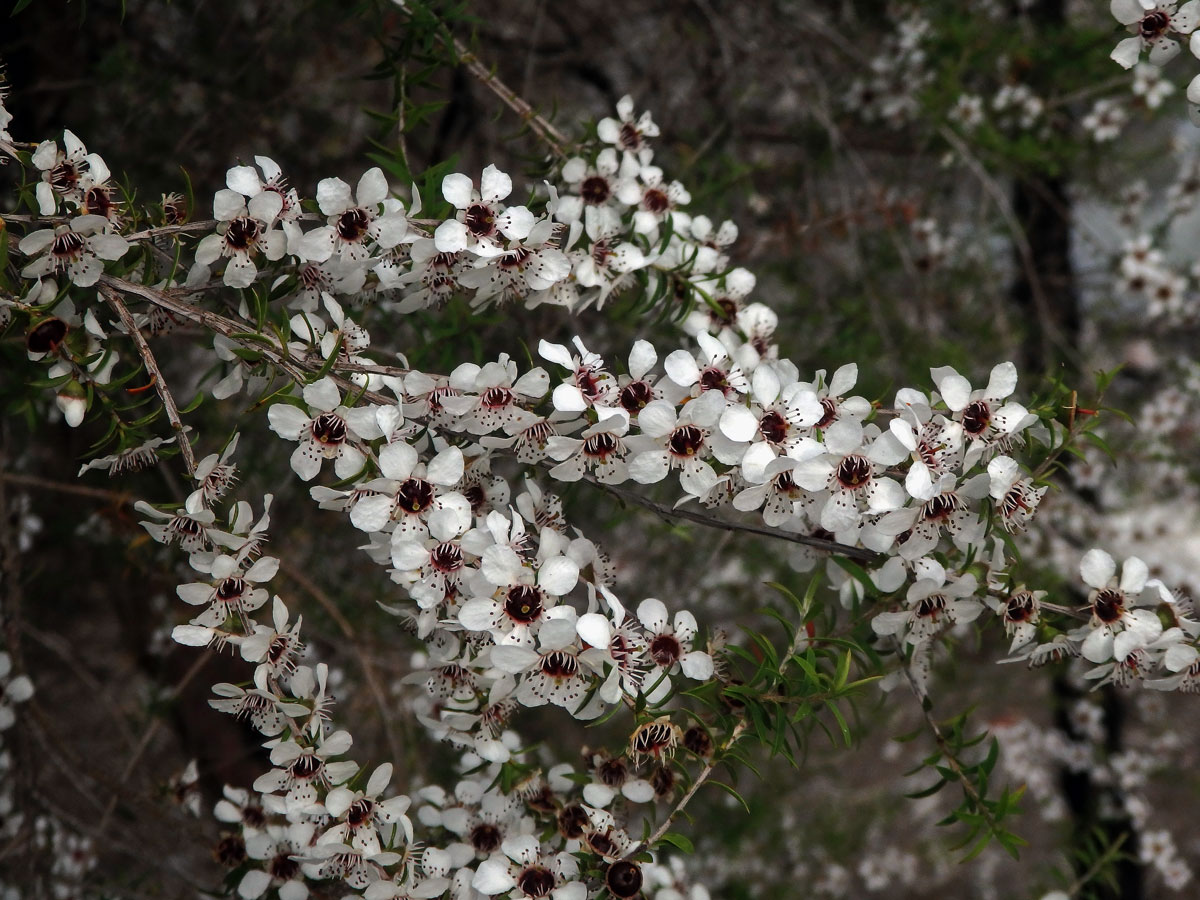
point(1020, 607)
point(446, 557)
point(635, 395)
point(600, 446)
point(976, 417)
point(329, 429)
point(1109, 606)
point(486, 837)
point(352, 225)
point(67, 245)
point(1153, 25)
point(940, 507)
point(523, 603)
point(773, 427)
point(97, 202)
point(666, 650)
point(306, 766)
point(613, 771)
point(572, 820)
point(242, 233)
point(595, 190)
point(46, 336)
point(931, 607)
point(653, 737)
point(829, 413)
point(496, 398)
point(854, 471)
point(536, 881)
point(623, 879)
point(629, 137)
point(656, 201)
point(231, 589)
point(65, 176)
point(415, 495)
point(284, 867)
point(558, 664)
point(686, 440)
point(359, 812)
point(480, 220)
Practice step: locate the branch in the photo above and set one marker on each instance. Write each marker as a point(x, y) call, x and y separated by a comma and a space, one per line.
point(549, 135)
point(296, 370)
point(156, 376)
point(668, 512)
point(701, 777)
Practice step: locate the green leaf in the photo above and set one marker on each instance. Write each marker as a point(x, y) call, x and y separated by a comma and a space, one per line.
point(678, 840)
point(731, 792)
point(837, 714)
point(842, 673)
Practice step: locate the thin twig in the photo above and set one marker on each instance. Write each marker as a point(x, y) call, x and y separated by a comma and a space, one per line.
point(701, 777)
point(1110, 854)
point(45, 484)
point(554, 139)
point(951, 760)
point(156, 376)
point(726, 525)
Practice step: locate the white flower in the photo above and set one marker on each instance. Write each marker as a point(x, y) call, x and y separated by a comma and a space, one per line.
point(527, 265)
point(529, 873)
point(526, 596)
point(411, 493)
point(655, 201)
point(608, 263)
point(984, 417)
point(67, 173)
point(364, 816)
point(590, 383)
point(75, 248)
point(600, 449)
point(552, 674)
point(354, 218)
point(934, 601)
point(678, 441)
point(1115, 629)
point(627, 133)
point(274, 647)
point(482, 218)
point(331, 434)
point(246, 181)
point(850, 472)
point(592, 186)
point(17, 690)
point(301, 770)
point(1152, 23)
point(232, 591)
point(243, 230)
point(499, 391)
point(614, 644)
point(277, 846)
point(1016, 497)
point(669, 644)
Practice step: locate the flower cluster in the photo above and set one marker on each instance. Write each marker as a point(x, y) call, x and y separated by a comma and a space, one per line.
point(517, 608)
